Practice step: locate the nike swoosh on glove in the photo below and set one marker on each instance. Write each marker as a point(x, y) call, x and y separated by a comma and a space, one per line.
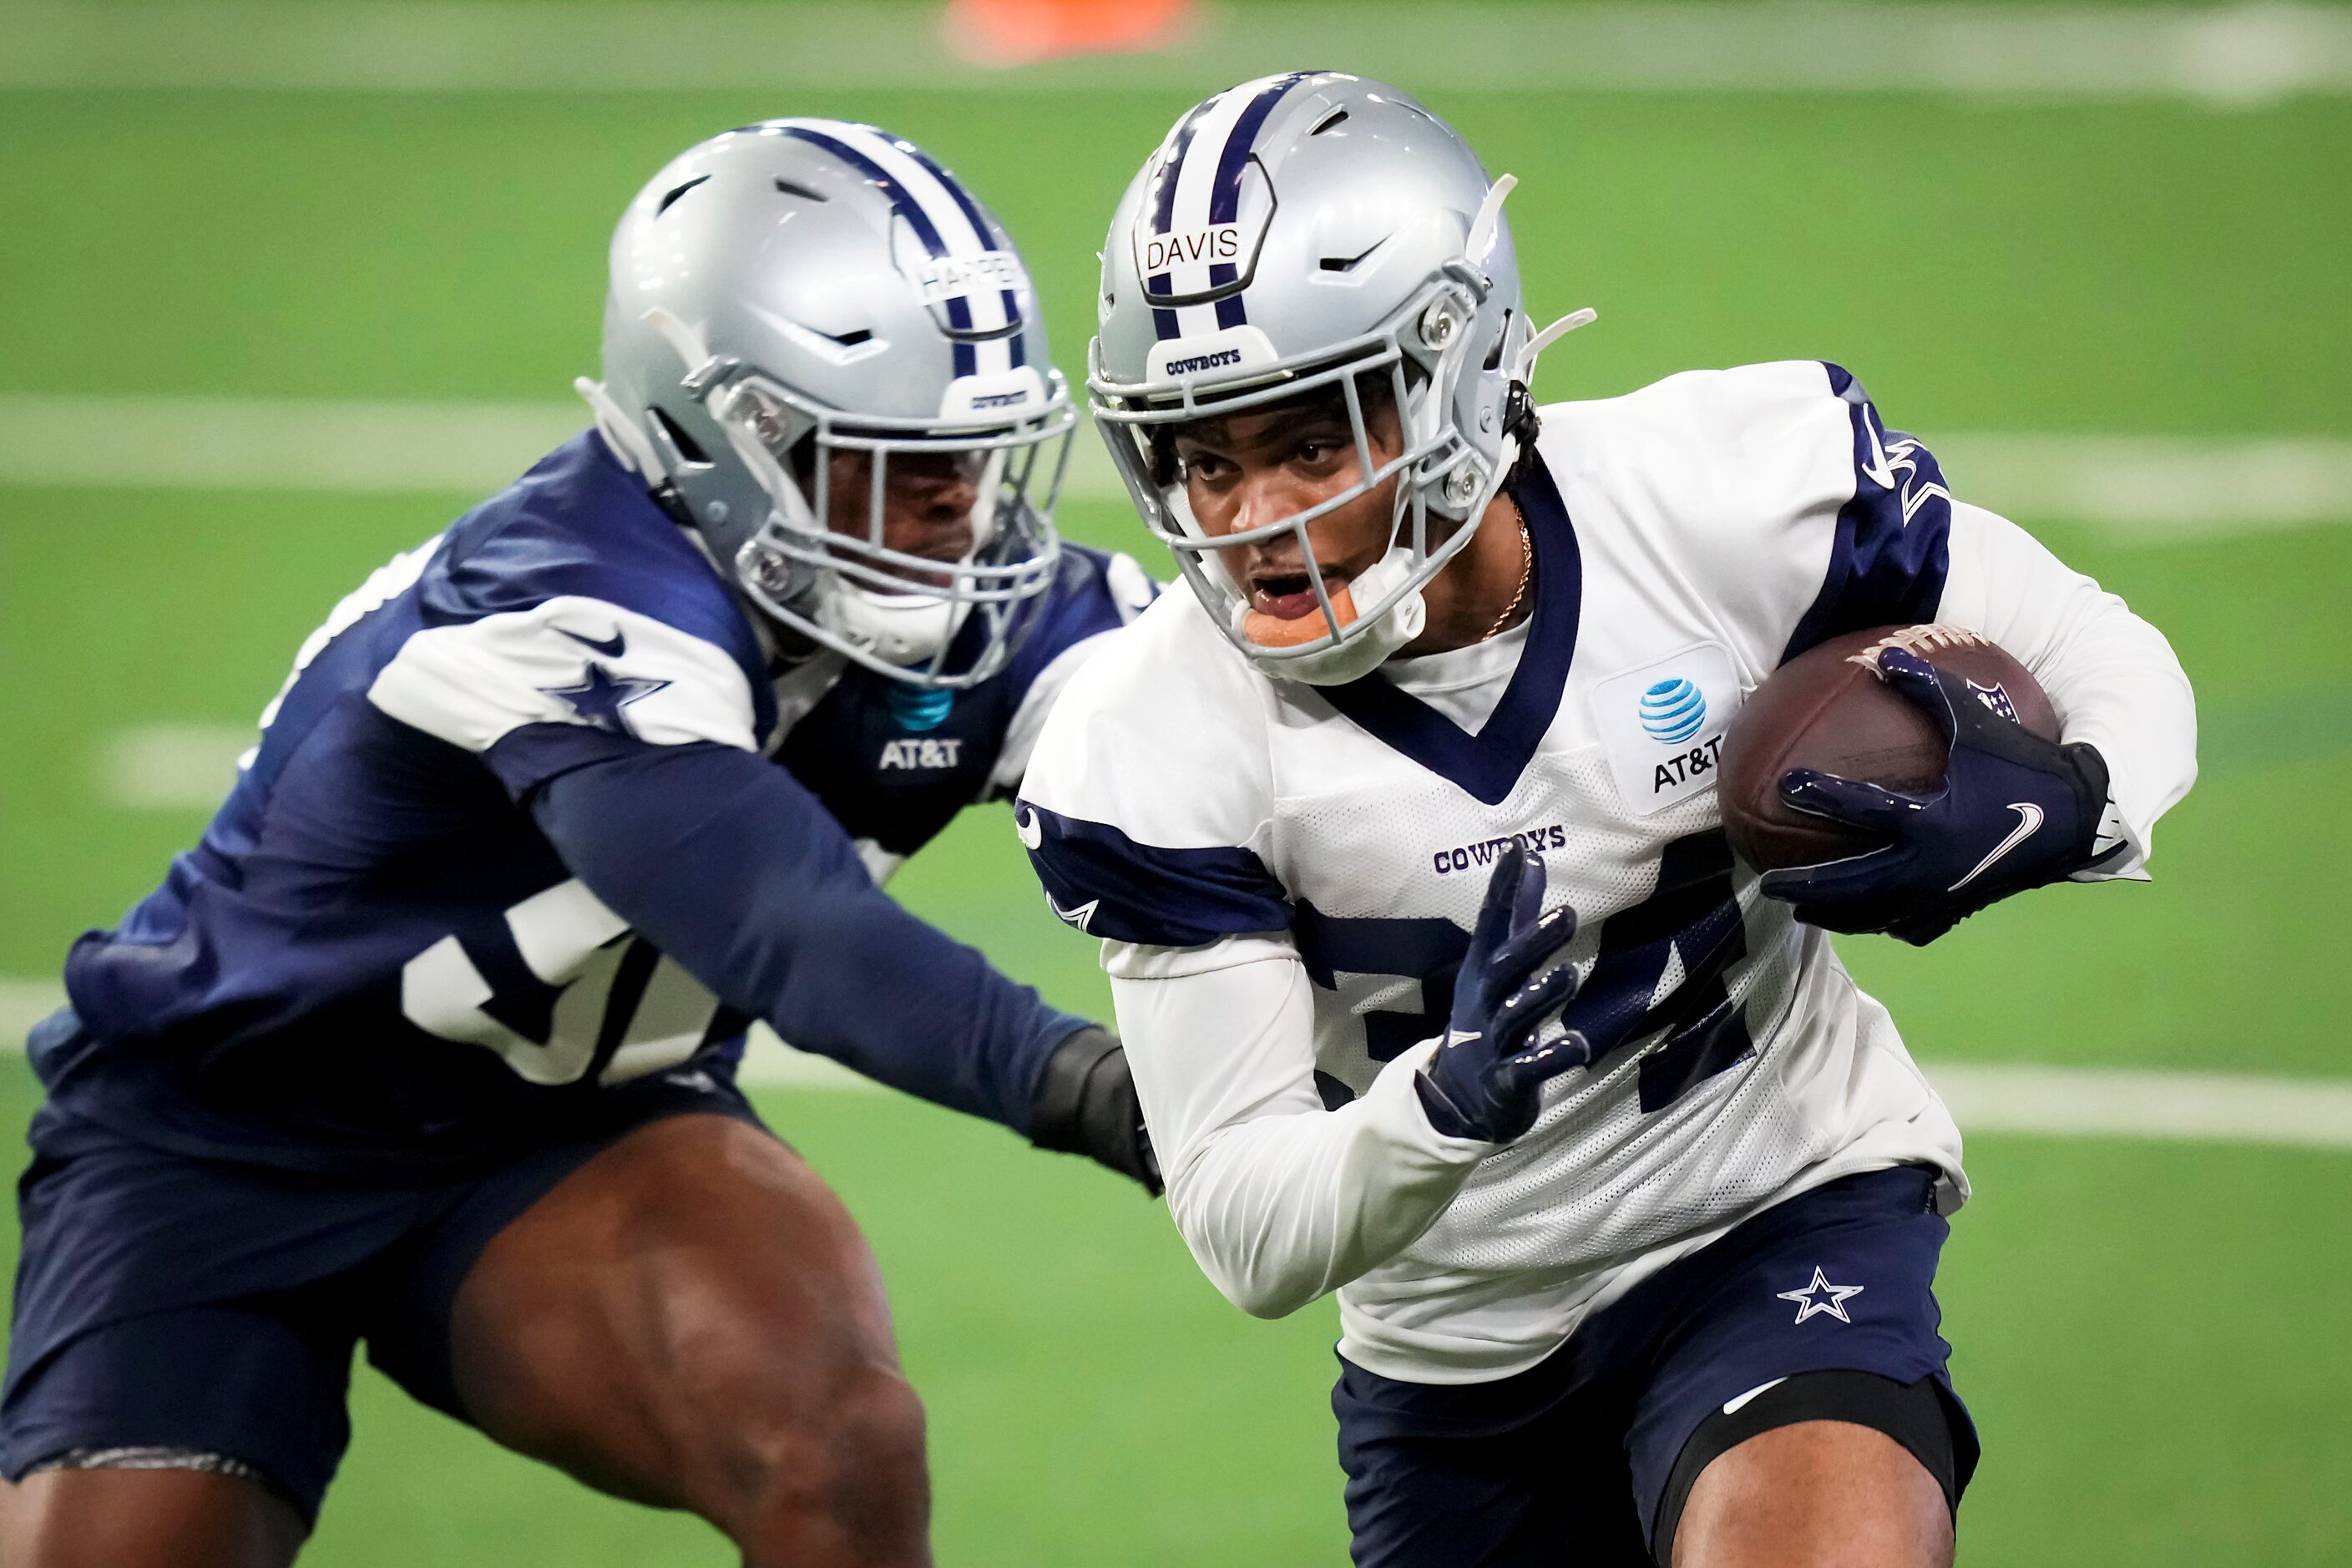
point(2015, 812)
point(1486, 1080)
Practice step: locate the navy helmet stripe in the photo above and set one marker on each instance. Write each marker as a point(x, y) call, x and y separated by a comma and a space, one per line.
point(1163, 209)
point(1225, 194)
point(901, 201)
point(1163, 195)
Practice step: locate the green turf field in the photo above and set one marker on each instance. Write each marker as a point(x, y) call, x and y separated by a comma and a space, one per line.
point(2154, 1336)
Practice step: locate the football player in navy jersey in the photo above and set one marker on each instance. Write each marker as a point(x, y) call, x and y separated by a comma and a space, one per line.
point(430, 1042)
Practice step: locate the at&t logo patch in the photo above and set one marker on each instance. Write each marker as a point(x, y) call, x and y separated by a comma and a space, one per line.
point(920, 753)
point(1662, 723)
point(1672, 711)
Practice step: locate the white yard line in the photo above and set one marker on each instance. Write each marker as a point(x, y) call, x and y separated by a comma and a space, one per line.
point(172, 767)
point(2072, 1102)
point(2236, 55)
point(197, 443)
point(2145, 489)
point(2120, 1104)
point(2154, 489)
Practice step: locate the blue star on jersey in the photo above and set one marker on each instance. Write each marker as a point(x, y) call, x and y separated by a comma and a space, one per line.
point(601, 695)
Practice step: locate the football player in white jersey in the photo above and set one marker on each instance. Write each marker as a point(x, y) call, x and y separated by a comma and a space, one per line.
point(1632, 1199)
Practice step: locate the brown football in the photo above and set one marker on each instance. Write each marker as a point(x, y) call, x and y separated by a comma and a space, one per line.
point(1829, 709)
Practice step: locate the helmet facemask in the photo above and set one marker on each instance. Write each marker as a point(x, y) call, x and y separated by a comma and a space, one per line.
point(894, 611)
point(804, 307)
point(1441, 484)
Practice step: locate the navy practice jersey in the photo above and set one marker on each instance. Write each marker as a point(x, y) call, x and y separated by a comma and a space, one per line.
point(375, 956)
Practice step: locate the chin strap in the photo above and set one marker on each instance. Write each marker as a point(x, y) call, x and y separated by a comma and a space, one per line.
point(703, 368)
point(621, 434)
point(1486, 228)
point(1519, 420)
point(1487, 225)
point(1525, 372)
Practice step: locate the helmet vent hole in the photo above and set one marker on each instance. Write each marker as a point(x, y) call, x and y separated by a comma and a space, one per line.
point(670, 200)
point(1337, 116)
point(852, 339)
point(1494, 354)
point(806, 195)
point(687, 446)
point(1348, 263)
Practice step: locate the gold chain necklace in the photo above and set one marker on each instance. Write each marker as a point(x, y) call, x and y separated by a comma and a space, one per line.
point(1526, 568)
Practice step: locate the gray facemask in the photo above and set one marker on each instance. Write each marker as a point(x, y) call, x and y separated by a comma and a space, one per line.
point(806, 299)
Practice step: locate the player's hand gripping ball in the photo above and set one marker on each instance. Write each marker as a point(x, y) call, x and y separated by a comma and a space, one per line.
point(1872, 830)
point(1486, 1080)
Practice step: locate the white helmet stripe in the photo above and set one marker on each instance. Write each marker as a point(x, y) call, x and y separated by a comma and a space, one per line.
point(947, 214)
point(1197, 179)
point(963, 237)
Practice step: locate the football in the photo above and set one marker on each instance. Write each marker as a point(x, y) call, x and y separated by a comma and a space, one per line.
point(1829, 709)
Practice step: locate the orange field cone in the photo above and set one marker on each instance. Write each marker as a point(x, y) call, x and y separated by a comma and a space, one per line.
point(1021, 32)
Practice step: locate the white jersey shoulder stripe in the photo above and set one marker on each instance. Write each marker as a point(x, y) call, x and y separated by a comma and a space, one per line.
point(571, 660)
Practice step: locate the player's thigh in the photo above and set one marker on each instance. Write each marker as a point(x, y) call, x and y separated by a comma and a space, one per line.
point(1813, 1494)
point(1819, 1314)
point(691, 1318)
point(147, 1518)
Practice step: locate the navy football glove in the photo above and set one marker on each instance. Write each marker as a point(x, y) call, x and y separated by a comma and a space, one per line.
point(1485, 1080)
point(2015, 811)
point(1087, 1105)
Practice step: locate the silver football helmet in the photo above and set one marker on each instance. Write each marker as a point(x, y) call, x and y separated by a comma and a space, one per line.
point(1303, 231)
point(798, 290)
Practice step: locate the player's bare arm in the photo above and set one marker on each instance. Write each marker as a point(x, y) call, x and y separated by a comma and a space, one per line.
point(1443, 985)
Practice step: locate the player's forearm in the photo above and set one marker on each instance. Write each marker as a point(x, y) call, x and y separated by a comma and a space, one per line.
point(725, 864)
point(2112, 675)
point(1281, 1211)
point(1279, 1200)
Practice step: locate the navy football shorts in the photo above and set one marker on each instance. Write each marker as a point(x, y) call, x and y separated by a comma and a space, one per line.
point(1821, 1308)
point(210, 1310)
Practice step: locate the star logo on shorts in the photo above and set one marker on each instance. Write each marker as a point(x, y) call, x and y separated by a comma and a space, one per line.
point(1810, 1298)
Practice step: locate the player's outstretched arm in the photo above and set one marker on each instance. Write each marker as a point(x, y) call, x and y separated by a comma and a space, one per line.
point(730, 866)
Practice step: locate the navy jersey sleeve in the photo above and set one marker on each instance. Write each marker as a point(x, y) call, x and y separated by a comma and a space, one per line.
point(1147, 809)
point(567, 620)
point(1891, 548)
point(734, 869)
point(1107, 884)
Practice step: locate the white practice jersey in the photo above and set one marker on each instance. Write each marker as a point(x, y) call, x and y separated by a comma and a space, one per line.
point(1285, 877)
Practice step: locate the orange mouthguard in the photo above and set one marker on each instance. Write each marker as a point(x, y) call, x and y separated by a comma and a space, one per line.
point(1273, 631)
